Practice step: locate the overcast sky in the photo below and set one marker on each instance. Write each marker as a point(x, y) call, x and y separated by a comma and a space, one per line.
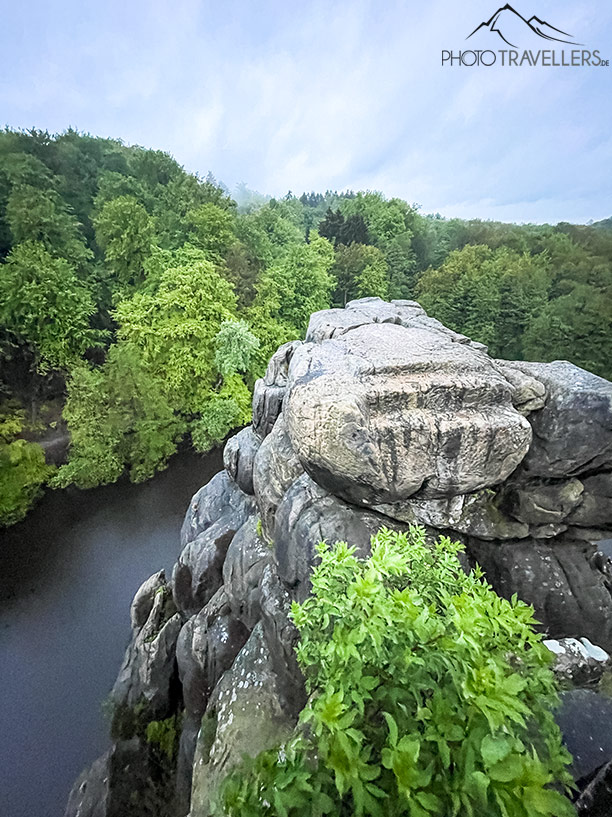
point(301, 95)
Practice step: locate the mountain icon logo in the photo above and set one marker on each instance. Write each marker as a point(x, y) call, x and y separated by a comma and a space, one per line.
point(513, 28)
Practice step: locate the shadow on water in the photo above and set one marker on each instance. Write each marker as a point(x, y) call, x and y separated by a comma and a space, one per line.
point(67, 577)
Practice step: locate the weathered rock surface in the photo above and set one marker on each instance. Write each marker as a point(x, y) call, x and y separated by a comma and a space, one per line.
point(382, 417)
point(578, 410)
point(567, 587)
point(585, 719)
point(239, 457)
point(384, 411)
point(276, 467)
point(148, 673)
point(580, 663)
point(245, 716)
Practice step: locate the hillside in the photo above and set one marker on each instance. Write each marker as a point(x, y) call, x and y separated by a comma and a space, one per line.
point(138, 302)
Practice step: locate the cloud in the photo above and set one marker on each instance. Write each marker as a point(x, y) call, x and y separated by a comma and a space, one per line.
point(315, 95)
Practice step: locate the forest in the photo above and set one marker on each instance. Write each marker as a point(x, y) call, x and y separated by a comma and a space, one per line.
point(140, 302)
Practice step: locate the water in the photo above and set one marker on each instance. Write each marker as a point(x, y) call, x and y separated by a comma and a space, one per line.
point(67, 576)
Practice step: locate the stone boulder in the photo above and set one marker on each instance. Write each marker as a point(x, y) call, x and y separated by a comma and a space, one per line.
point(384, 411)
point(307, 515)
point(276, 468)
point(144, 687)
point(269, 390)
point(573, 432)
point(244, 716)
point(239, 457)
point(567, 585)
point(579, 663)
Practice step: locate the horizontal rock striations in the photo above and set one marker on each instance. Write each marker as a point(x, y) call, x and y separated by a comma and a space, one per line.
point(381, 417)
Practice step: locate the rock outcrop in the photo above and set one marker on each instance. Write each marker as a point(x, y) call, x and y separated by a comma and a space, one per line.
point(382, 417)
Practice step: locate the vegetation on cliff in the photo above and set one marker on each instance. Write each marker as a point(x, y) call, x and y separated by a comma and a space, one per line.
point(428, 695)
point(143, 301)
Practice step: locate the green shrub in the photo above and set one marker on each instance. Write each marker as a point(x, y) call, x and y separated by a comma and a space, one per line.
point(428, 695)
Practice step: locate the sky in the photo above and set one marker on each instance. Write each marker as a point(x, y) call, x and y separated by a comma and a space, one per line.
point(306, 95)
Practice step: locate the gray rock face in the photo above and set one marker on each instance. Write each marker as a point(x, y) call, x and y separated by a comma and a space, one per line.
point(270, 390)
point(244, 716)
point(595, 509)
point(219, 497)
point(149, 667)
point(382, 417)
point(578, 408)
point(246, 559)
point(276, 468)
point(145, 598)
point(475, 514)
point(384, 411)
point(585, 719)
point(308, 514)
point(198, 572)
point(568, 588)
point(239, 457)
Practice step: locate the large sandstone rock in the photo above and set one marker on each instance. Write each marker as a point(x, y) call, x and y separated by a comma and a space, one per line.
point(573, 432)
point(269, 391)
point(382, 417)
point(198, 573)
point(309, 514)
point(567, 585)
point(276, 468)
point(244, 716)
point(144, 686)
point(384, 411)
point(239, 457)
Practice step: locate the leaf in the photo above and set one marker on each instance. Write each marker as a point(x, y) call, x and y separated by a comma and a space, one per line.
point(507, 769)
point(392, 728)
point(545, 801)
point(495, 748)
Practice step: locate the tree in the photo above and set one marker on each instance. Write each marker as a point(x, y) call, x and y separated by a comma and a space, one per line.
point(124, 231)
point(489, 295)
point(175, 328)
point(119, 418)
point(45, 305)
point(23, 470)
point(35, 215)
point(212, 229)
point(577, 327)
point(234, 347)
point(359, 271)
point(428, 696)
point(298, 285)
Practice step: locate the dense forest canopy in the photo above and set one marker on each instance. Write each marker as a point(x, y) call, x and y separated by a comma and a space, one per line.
point(139, 302)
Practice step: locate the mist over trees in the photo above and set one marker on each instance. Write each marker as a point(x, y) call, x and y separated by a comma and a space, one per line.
point(139, 302)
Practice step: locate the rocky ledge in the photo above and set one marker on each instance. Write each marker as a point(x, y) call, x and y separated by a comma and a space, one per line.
point(382, 416)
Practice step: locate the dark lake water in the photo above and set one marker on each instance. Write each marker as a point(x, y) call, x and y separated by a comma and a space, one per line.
point(67, 577)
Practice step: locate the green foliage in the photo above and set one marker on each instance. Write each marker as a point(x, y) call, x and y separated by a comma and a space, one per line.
point(222, 412)
point(489, 295)
point(124, 231)
point(298, 285)
point(164, 735)
point(428, 695)
point(23, 472)
point(359, 270)
point(119, 418)
point(234, 347)
point(212, 229)
point(45, 305)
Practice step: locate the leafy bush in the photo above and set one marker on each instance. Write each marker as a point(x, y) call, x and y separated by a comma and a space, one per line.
point(429, 695)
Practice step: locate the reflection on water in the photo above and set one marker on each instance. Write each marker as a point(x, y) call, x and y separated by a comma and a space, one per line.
point(67, 577)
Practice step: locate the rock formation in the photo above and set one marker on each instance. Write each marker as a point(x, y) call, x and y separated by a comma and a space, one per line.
point(381, 417)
